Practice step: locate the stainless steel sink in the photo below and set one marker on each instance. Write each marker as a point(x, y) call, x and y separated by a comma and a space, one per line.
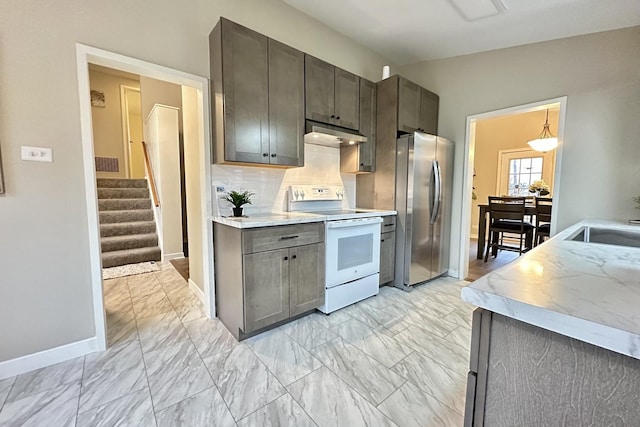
point(606, 236)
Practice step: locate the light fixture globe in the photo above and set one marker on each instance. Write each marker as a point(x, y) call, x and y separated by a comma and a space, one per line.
point(545, 141)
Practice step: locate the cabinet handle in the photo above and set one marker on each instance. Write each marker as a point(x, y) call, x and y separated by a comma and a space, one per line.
point(265, 154)
point(289, 237)
point(388, 225)
point(286, 258)
point(273, 155)
point(338, 118)
point(381, 240)
point(333, 116)
point(294, 257)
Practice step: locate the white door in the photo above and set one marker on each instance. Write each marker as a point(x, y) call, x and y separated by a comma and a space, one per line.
point(517, 169)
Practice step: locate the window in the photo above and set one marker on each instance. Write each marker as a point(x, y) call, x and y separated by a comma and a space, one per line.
point(522, 172)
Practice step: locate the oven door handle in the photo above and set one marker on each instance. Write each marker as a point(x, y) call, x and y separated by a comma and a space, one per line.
point(354, 223)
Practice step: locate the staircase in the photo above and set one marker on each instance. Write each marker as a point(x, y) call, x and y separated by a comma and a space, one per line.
point(127, 227)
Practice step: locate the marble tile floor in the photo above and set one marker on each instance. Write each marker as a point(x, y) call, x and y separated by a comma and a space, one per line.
point(397, 359)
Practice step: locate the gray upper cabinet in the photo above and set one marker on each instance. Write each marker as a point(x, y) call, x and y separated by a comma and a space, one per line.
point(417, 108)
point(409, 98)
point(429, 105)
point(242, 115)
point(257, 95)
point(367, 126)
point(320, 84)
point(332, 94)
point(286, 105)
point(347, 99)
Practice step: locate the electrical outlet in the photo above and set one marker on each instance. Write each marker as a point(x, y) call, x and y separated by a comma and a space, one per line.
point(36, 154)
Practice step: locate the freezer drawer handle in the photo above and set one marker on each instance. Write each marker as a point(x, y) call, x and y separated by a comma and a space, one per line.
point(289, 237)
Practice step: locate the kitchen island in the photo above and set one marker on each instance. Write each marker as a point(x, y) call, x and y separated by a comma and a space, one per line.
point(556, 340)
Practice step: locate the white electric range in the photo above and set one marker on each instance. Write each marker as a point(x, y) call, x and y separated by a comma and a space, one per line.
point(352, 244)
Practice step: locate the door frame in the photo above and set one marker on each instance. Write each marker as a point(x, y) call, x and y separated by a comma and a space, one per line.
point(469, 158)
point(124, 108)
point(86, 55)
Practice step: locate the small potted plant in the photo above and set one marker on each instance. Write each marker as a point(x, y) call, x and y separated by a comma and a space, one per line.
point(539, 187)
point(238, 199)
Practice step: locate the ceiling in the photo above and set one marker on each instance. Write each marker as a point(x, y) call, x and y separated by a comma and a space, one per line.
point(409, 31)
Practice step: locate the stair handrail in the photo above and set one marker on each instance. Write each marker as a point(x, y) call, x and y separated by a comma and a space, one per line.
point(152, 181)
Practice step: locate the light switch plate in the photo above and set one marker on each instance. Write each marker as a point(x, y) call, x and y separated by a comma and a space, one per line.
point(36, 154)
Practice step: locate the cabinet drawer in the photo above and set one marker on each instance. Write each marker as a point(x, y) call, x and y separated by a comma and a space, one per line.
point(270, 238)
point(388, 223)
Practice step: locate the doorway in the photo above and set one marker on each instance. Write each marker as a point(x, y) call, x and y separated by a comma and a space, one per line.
point(132, 131)
point(199, 88)
point(513, 166)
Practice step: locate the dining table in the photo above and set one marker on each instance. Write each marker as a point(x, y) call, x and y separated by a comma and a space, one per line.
point(529, 209)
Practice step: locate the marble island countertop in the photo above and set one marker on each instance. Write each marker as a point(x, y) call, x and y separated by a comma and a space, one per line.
point(587, 291)
point(269, 219)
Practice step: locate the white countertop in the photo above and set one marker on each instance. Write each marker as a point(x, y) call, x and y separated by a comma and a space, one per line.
point(587, 291)
point(270, 219)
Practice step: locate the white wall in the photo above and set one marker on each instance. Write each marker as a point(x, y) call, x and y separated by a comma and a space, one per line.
point(599, 73)
point(45, 290)
point(107, 122)
point(194, 176)
point(161, 128)
point(322, 165)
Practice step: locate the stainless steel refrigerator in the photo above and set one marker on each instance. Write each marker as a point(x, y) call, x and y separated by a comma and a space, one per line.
point(423, 189)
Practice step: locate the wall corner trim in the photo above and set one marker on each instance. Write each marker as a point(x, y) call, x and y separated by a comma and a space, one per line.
point(41, 359)
point(198, 292)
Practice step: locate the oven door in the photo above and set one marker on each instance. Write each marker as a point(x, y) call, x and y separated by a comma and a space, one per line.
point(353, 249)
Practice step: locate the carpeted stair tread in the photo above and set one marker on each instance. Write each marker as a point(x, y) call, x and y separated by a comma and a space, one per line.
point(127, 228)
point(133, 241)
point(123, 193)
point(121, 183)
point(110, 217)
point(123, 204)
point(130, 256)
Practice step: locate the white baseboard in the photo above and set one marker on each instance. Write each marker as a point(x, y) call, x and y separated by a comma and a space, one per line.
point(41, 359)
point(198, 292)
point(169, 257)
point(454, 273)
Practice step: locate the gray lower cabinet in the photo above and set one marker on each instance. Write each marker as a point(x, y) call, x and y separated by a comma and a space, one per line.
point(387, 249)
point(257, 95)
point(332, 94)
point(523, 375)
point(267, 275)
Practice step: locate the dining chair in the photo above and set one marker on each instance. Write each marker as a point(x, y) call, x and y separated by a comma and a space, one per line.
point(507, 217)
point(543, 219)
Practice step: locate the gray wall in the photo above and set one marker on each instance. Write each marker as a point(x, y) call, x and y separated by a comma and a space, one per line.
point(45, 290)
point(599, 74)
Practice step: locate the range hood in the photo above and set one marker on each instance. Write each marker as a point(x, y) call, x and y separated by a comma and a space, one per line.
point(330, 135)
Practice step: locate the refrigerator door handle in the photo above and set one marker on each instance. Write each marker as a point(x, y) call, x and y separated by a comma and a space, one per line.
point(436, 181)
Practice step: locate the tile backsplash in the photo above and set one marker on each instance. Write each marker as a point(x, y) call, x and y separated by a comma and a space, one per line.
point(270, 185)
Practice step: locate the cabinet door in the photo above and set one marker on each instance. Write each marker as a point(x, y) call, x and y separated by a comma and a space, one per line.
point(266, 288)
point(319, 85)
point(245, 71)
point(306, 274)
point(367, 160)
point(409, 99)
point(347, 99)
point(387, 257)
point(286, 105)
point(429, 103)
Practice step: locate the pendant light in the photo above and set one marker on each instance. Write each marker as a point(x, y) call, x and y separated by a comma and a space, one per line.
point(545, 141)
